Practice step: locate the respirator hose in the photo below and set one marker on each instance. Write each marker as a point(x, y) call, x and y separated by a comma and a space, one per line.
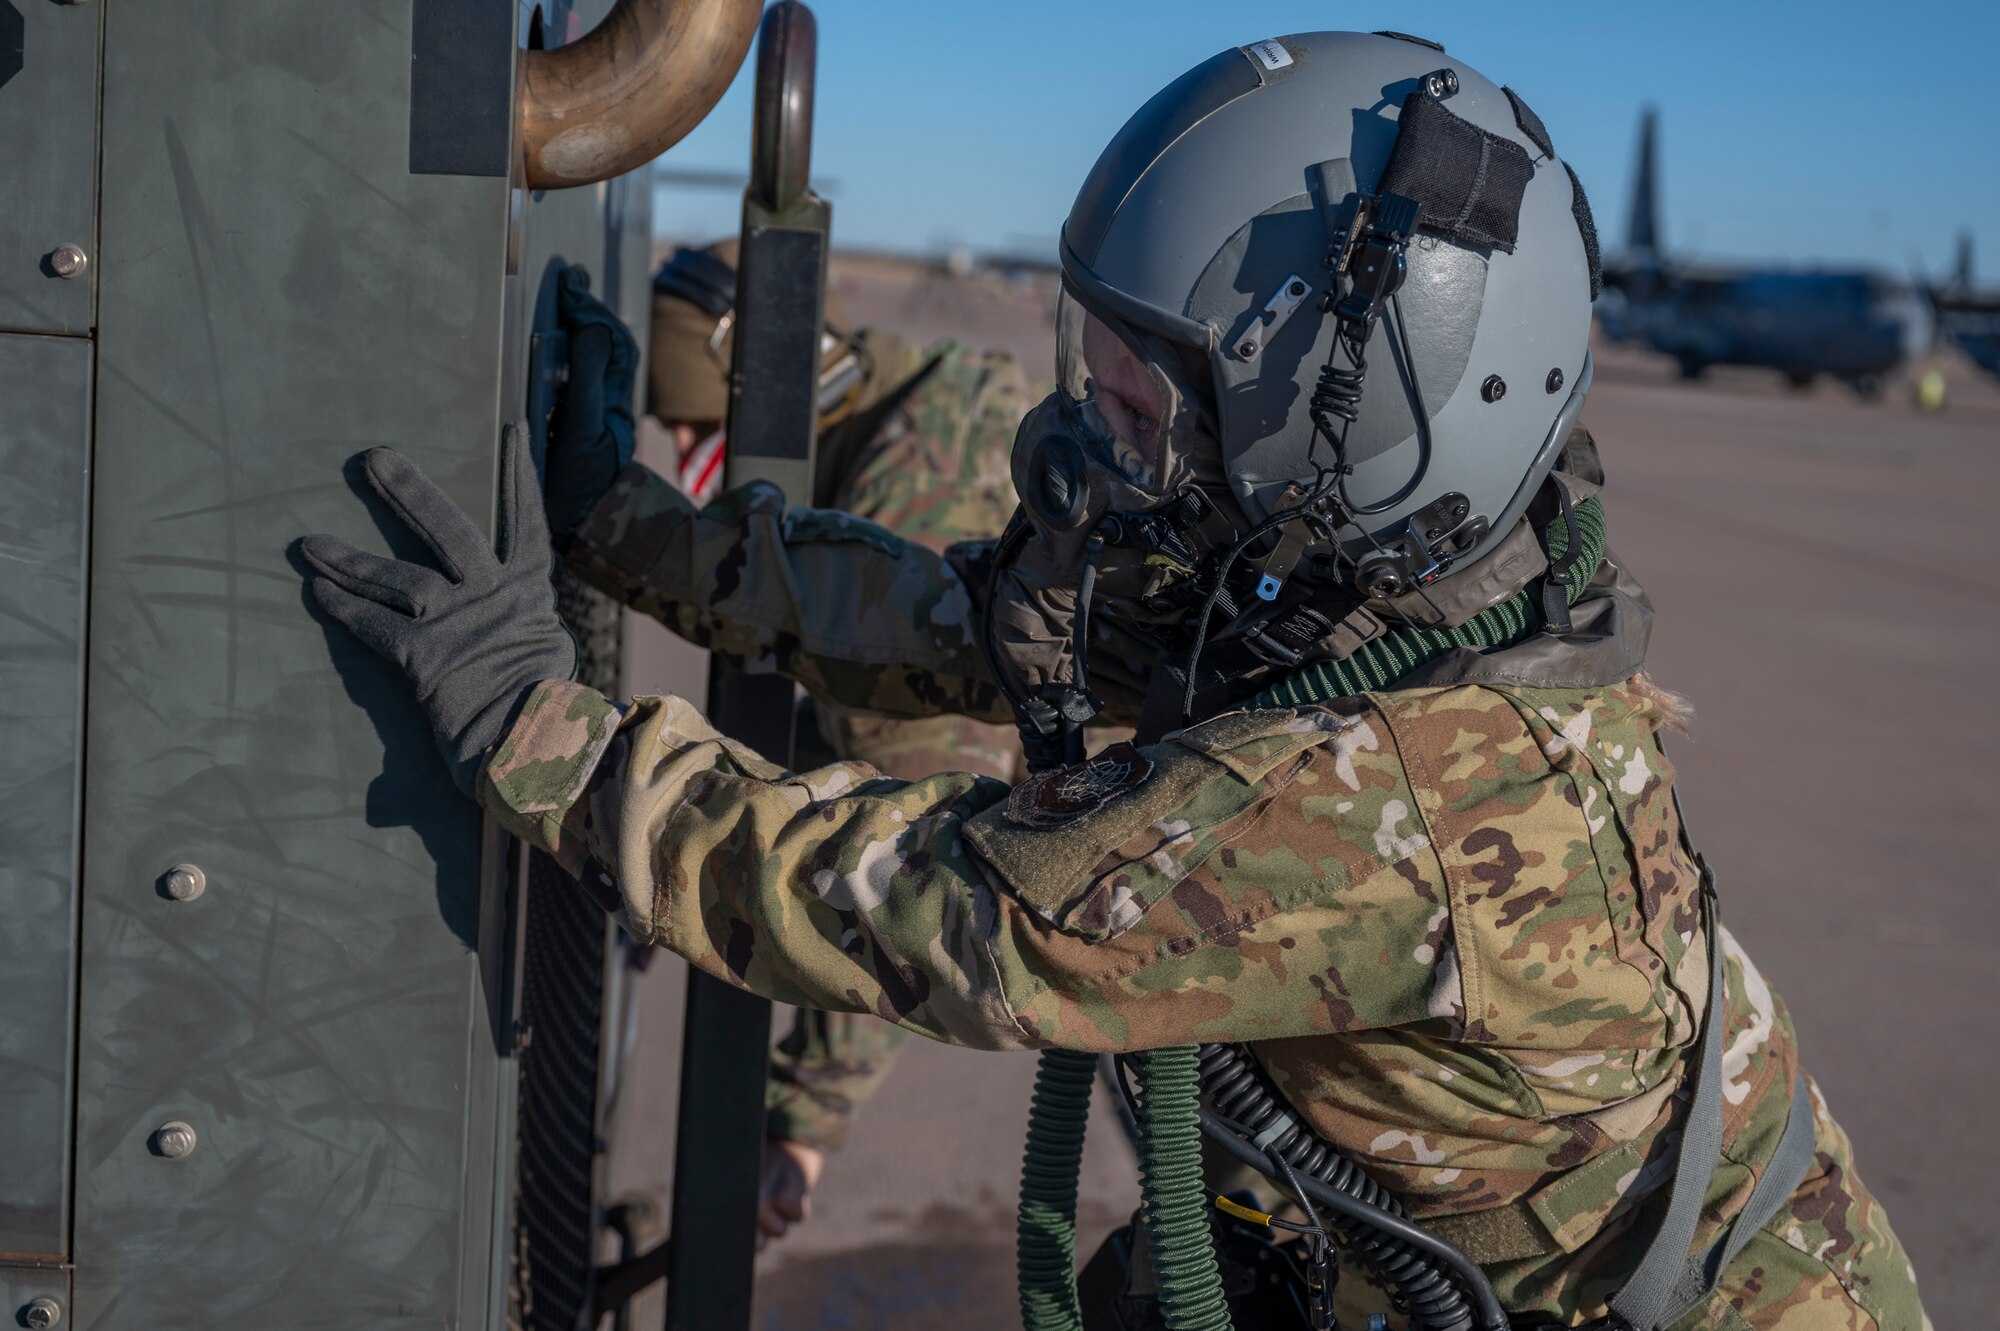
point(1045, 1232)
point(1058, 1116)
point(1174, 1193)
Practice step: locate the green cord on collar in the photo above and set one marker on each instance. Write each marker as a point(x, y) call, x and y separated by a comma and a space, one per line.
point(1382, 661)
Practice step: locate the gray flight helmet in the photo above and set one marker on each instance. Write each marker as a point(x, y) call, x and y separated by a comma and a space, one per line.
point(1217, 193)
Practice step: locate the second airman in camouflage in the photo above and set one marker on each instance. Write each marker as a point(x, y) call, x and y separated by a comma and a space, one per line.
point(917, 442)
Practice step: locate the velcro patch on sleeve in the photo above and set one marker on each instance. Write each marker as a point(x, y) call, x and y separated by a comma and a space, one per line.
point(1059, 798)
point(1091, 847)
point(1254, 744)
point(1061, 830)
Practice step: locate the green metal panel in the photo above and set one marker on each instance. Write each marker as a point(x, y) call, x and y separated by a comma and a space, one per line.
point(567, 1075)
point(277, 292)
point(44, 494)
point(48, 122)
point(22, 1287)
point(334, 1015)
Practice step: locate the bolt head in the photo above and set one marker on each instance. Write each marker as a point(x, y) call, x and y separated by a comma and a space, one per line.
point(1494, 388)
point(42, 1314)
point(1379, 580)
point(184, 882)
point(68, 261)
point(1555, 380)
point(174, 1140)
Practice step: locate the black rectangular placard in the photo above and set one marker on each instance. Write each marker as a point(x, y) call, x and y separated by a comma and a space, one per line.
point(461, 87)
point(777, 352)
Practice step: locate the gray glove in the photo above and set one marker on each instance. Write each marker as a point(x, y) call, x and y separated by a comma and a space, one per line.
point(591, 436)
point(475, 639)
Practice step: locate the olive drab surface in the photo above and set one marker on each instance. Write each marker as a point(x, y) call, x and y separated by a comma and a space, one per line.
point(271, 981)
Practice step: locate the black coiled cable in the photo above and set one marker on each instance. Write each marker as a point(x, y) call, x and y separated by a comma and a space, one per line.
point(1337, 393)
point(1238, 1091)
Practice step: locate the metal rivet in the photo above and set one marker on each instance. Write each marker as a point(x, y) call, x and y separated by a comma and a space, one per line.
point(175, 1140)
point(1494, 388)
point(41, 1314)
point(183, 882)
point(1441, 83)
point(1296, 289)
point(1555, 380)
point(68, 261)
point(1247, 349)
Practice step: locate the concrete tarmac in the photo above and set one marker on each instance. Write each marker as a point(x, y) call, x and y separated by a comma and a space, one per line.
point(1827, 575)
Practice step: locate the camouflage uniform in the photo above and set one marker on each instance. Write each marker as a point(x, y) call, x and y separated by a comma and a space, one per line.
point(1454, 921)
point(930, 465)
point(928, 462)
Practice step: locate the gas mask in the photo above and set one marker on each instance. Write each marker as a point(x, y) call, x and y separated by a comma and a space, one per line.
point(1123, 505)
point(1131, 582)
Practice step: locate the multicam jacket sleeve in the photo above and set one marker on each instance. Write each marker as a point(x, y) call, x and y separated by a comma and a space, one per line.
point(866, 620)
point(1255, 877)
point(828, 1066)
point(1473, 900)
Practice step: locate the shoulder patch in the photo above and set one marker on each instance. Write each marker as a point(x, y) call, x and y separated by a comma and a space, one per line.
point(1092, 847)
point(1051, 864)
point(1059, 798)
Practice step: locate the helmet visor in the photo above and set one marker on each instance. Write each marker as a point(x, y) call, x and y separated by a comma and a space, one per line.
point(1116, 398)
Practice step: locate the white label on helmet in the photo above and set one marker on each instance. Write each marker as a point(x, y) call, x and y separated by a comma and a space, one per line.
point(1271, 55)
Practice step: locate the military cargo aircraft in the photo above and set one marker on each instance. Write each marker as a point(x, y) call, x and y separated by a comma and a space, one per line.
point(1970, 317)
point(1855, 324)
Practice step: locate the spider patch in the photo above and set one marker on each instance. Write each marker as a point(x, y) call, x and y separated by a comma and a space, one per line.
point(1059, 798)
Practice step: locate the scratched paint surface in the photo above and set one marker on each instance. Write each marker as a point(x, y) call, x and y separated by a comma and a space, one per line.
point(278, 292)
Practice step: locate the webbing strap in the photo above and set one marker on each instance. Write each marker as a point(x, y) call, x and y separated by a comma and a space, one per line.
point(1668, 1282)
point(1782, 1175)
point(1648, 1297)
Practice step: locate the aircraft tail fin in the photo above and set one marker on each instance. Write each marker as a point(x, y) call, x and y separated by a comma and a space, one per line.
point(1642, 231)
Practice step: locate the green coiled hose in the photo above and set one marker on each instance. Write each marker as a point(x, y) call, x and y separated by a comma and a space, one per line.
point(1173, 1193)
point(1045, 1233)
point(1378, 664)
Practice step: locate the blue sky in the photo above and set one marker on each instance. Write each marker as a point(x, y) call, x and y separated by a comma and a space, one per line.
point(1796, 131)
